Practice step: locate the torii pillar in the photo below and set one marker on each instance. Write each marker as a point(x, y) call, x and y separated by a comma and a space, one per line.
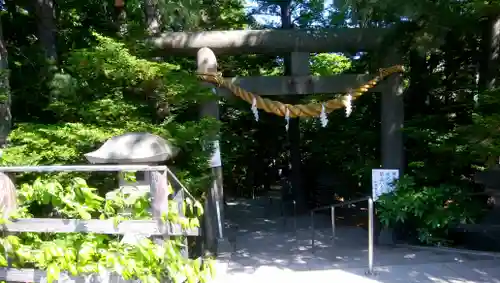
point(214, 205)
point(392, 118)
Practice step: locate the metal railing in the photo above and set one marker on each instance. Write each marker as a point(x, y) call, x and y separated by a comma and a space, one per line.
point(63, 227)
point(371, 219)
point(81, 168)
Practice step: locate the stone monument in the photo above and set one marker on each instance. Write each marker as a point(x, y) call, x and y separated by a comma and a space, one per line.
point(134, 148)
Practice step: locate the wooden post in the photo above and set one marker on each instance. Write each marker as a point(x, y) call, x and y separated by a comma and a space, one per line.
point(8, 204)
point(160, 206)
point(159, 195)
point(179, 198)
point(214, 208)
point(8, 196)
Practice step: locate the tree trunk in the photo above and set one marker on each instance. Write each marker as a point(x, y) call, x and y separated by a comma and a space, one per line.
point(153, 16)
point(45, 12)
point(490, 47)
point(451, 67)
point(465, 99)
point(490, 50)
point(120, 17)
point(5, 97)
point(416, 96)
point(418, 91)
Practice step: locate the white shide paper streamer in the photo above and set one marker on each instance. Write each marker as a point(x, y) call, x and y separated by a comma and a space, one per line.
point(255, 110)
point(323, 118)
point(287, 119)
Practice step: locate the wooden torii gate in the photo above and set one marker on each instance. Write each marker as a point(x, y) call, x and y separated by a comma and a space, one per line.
point(300, 43)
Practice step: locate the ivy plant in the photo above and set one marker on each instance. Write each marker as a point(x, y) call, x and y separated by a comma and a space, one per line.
point(87, 253)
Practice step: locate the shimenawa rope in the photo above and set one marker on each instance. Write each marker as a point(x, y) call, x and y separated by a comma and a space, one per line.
point(299, 110)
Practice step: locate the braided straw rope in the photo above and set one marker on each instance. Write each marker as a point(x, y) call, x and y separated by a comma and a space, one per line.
point(299, 110)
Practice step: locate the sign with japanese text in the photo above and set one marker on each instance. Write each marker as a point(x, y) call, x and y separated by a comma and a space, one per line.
point(383, 181)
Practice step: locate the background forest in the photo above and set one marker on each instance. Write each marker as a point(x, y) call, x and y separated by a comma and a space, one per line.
point(75, 73)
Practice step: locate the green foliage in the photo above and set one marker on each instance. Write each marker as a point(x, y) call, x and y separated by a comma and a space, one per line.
point(66, 143)
point(108, 91)
point(482, 136)
point(106, 82)
point(326, 147)
point(37, 144)
point(328, 64)
point(4, 86)
point(82, 254)
point(102, 87)
point(105, 87)
point(112, 92)
point(431, 211)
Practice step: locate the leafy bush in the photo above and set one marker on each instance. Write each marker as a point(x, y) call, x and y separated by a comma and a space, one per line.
point(84, 253)
point(65, 143)
point(98, 93)
point(431, 211)
point(105, 91)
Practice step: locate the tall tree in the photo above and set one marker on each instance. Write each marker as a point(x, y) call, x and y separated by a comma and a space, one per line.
point(45, 14)
point(490, 52)
point(5, 96)
point(153, 16)
point(120, 17)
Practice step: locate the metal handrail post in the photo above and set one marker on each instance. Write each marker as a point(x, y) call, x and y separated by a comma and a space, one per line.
point(332, 215)
point(282, 212)
point(371, 216)
point(219, 219)
point(332, 211)
point(312, 231)
point(295, 216)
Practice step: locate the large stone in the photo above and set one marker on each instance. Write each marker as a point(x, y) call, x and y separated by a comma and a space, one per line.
point(133, 148)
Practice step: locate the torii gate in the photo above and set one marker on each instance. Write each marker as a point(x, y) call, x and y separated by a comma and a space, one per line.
point(300, 43)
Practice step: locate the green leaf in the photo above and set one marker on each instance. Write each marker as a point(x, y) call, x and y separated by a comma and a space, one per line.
point(170, 189)
point(72, 269)
point(85, 253)
point(83, 213)
point(79, 183)
point(53, 273)
point(117, 220)
point(129, 177)
point(199, 208)
point(194, 222)
point(3, 260)
point(46, 197)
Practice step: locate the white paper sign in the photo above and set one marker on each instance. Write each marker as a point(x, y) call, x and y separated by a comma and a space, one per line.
point(215, 159)
point(382, 181)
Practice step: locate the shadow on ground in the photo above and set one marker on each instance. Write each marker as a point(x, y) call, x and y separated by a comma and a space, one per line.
point(266, 245)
